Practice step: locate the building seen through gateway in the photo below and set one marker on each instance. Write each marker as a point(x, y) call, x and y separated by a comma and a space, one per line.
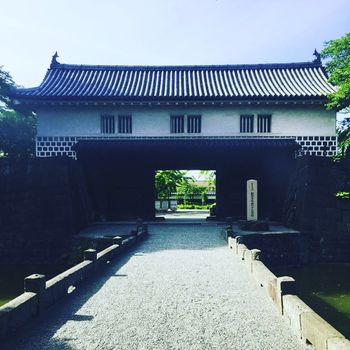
point(122, 123)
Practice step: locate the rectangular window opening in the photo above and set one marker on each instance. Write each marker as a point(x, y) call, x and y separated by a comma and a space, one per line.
point(246, 124)
point(107, 124)
point(124, 124)
point(194, 124)
point(177, 124)
point(264, 123)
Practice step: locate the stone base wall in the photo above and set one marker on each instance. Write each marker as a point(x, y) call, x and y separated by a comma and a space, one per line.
point(278, 249)
point(43, 202)
point(313, 208)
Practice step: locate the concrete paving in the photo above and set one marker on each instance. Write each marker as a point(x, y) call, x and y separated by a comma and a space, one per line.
point(182, 288)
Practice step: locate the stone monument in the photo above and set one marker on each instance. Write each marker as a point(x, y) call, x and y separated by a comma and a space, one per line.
point(252, 200)
point(252, 223)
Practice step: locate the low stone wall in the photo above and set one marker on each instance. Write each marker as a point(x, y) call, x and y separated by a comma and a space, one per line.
point(39, 294)
point(278, 248)
point(312, 207)
point(43, 202)
point(304, 321)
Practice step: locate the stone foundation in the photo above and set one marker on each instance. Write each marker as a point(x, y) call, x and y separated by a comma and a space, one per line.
point(313, 208)
point(43, 202)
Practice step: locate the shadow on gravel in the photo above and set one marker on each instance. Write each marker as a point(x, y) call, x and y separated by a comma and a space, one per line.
point(40, 332)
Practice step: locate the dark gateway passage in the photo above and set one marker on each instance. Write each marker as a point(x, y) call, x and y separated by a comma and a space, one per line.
point(120, 173)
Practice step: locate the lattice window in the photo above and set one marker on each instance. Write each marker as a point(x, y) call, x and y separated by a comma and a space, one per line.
point(194, 124)
point(124, 124)
point(247, 124)
point(107, 124)
point(264, 123)
point(177, 124)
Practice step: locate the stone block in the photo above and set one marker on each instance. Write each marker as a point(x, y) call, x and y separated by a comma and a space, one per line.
point(17, 312)
point(257, 225)
point(117, 240)
point(241, 249)
point(271, 289)
point(35, 283)
point(254, 255)
point(239, 240)
point(317, 331)
point(338, 344)
point(343, 203)
point(262, 274)
point(333, 214)
point(232, 243)
point(285, 285)
point(346, 216)
point(293, 307)
point(4, 323)
point(90, 254)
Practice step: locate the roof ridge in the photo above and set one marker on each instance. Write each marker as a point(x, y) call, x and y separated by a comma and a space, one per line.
point(184, 67)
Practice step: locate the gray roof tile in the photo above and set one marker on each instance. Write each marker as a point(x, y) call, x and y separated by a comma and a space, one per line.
point(230, 82)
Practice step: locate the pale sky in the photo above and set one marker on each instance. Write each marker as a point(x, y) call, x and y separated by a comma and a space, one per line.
point(163, 32)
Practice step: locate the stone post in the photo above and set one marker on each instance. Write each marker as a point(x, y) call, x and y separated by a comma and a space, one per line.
point(90, 254)
point(229, 232)
point(285, 285)
point(239, 240)
point(36, 284)
point(255, 256)
point(252, 200)
point(118, 240)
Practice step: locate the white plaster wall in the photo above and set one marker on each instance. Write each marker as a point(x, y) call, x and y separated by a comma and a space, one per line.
point(218, 121)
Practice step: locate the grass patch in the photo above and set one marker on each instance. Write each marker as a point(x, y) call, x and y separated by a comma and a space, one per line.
point(325, 288)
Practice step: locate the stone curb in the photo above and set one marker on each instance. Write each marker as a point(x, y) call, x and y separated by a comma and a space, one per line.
point(39, 294)
point(303, 320)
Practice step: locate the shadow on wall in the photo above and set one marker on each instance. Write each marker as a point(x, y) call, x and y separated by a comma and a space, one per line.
point(313, 207)
point(43, 202)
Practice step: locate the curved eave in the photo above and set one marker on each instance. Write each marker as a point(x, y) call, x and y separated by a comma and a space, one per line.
point(302, 100)
point(265, 82)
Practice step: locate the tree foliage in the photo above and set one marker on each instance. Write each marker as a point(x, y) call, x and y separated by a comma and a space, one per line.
point(17, 134)
point(6, 83)
point(167, 181)
point(337, 55)
point(17, 123)
point(344, 135)
point(189, 189)
point(170, 182)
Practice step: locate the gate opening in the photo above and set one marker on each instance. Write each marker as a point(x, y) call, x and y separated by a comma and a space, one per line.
point(185, 194)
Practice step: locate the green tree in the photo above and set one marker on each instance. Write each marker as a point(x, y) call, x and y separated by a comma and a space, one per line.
point(6, 83)
point(17, 134)
point(210, 176)
point(337, 55)
point(167, 181)
point(343, 131)
point(17, 123)
point(189, 189)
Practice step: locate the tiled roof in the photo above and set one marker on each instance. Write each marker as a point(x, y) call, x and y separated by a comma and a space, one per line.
point(144, 83)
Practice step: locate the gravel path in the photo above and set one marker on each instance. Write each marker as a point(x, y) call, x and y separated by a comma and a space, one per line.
point(180, 289)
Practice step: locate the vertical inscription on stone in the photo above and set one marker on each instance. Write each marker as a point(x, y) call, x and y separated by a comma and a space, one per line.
point(252, 200)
